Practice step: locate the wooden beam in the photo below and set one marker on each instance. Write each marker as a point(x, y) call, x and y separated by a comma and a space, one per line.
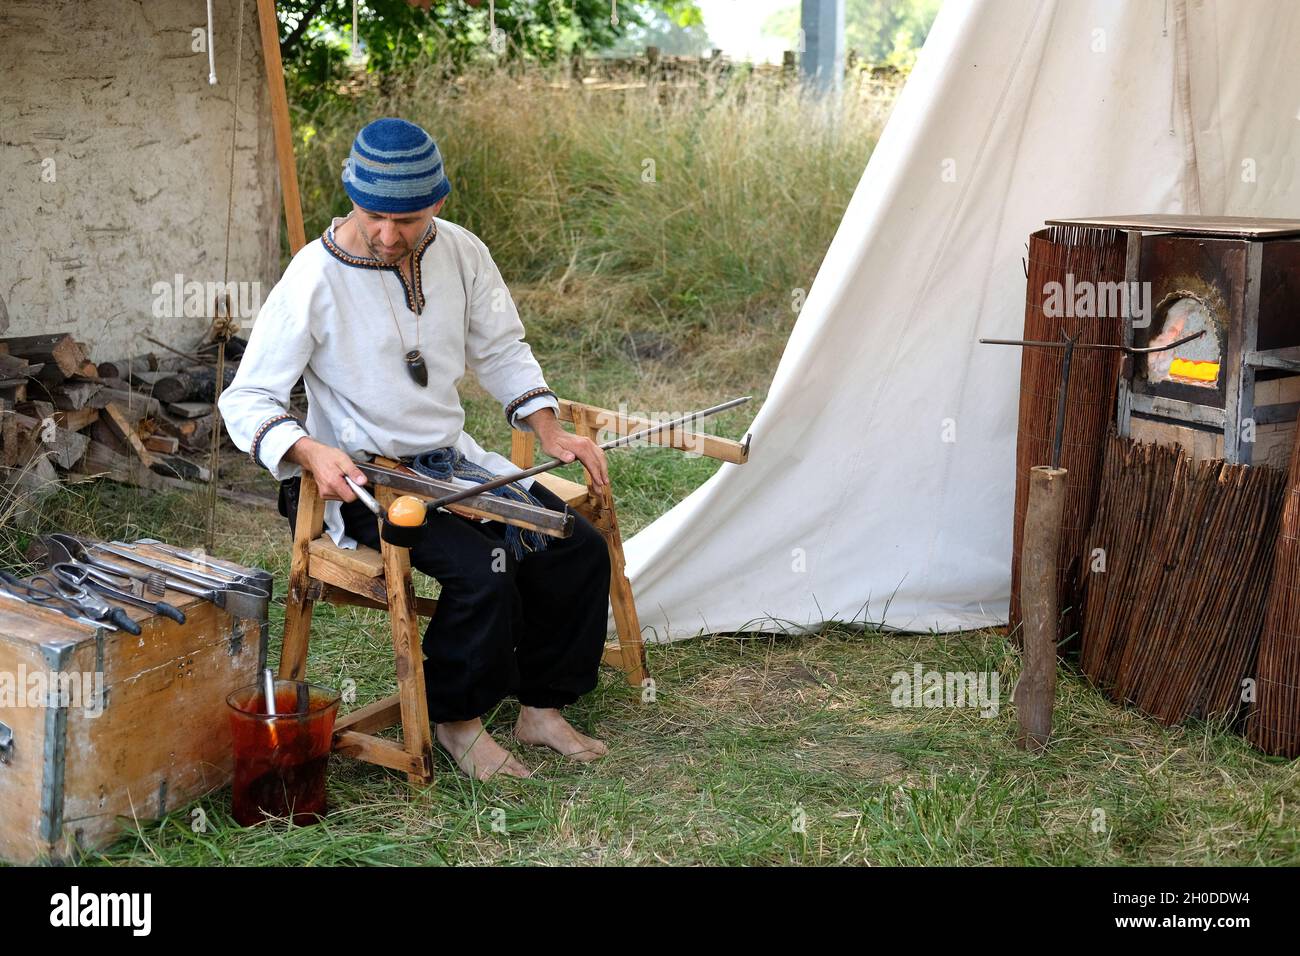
point(325, 570)
point(377, 750)
point(269, 26)
point(380, 715)
point(332, 594)
point(617, 423)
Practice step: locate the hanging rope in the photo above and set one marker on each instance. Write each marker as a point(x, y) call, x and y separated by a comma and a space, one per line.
point(212, 62)
point(223, 327)
point(356, 36)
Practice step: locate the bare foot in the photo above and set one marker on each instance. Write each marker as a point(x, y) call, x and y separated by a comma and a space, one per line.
point(544, 727)
point(475, 752)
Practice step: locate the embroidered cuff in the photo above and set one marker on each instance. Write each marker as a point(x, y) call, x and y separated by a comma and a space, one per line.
point(529, 402)
point(254, 450)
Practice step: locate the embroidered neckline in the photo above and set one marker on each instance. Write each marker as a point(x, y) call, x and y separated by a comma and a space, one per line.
point(414, 296)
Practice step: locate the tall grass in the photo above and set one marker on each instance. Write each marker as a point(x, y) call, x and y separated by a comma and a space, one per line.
point(701, 207)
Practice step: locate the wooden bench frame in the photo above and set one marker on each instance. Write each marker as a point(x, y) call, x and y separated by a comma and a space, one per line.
point(322, 571)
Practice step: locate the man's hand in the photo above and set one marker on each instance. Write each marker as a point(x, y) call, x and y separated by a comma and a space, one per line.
point(558, 443)
point(566, 447)
point(328, 465)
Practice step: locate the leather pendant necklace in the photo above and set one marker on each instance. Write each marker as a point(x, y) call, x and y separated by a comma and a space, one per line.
point(416, 368)
point(414, 360)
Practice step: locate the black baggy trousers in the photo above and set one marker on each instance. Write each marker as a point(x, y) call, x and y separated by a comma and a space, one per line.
point(533, 628)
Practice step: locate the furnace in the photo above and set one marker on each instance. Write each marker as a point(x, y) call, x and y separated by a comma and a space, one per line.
point(1234, 392)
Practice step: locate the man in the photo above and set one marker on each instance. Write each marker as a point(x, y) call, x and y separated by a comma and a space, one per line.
point(381, 317)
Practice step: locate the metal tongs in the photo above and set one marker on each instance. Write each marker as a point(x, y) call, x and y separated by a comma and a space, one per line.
point(242, 598)
point(69, 598)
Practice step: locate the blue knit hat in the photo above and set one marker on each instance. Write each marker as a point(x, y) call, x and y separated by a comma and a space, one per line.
point(394, 166)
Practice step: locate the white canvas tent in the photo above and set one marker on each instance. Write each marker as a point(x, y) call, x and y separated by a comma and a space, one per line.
point(879, 486)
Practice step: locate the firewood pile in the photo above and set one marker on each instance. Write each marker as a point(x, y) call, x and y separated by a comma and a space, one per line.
point(145, 420)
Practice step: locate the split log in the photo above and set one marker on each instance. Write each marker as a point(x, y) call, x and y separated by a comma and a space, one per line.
point(163, 444)
point(167, 387)
point(116, 418)
point(77, 419)
point(102, 462)
point(64, 448)
point(126, 400)
point(178, 467)
point(12, 367)
point(197, 433)
point(72, 396)
point(203, 381)
point(37, 409)
point(8, 435)
point(190, 409)
point(22, 490)
point(58, 349)
point(194, 383)
point(123, 368)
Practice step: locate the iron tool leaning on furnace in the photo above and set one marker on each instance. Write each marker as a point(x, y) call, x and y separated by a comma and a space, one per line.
point(381, 317)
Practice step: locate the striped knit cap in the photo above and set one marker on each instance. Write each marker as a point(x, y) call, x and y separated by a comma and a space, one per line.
point(394, 166)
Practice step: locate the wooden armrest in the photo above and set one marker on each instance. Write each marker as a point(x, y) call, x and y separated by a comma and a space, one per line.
point(622, 424)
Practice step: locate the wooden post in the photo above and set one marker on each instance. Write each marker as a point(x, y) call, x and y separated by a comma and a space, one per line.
point(1036, 691)
point(522, 448)
point(297, 606)
point(269, 25)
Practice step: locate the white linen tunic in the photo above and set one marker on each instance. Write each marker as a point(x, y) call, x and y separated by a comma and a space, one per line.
point(329, 321)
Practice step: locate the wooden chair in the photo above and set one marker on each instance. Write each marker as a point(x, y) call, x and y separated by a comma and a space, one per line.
point(322, 571)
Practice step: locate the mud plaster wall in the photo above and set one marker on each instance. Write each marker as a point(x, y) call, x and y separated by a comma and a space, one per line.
point(113, 94)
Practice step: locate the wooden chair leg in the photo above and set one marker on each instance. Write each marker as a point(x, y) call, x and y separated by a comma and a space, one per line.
point(631, 648)
point(298, 606)
point(630, 657)
point(417, 734)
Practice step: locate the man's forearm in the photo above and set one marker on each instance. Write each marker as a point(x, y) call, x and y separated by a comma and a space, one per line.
point(544, 423)
point(297, 452)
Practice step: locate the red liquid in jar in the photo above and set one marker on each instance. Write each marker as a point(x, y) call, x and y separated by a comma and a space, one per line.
point(280, 762)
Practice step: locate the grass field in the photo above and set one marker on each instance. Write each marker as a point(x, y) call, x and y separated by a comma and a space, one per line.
point(755, 750)
point(763, 749)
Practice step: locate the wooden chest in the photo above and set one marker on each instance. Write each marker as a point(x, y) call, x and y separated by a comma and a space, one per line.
point(101, 727)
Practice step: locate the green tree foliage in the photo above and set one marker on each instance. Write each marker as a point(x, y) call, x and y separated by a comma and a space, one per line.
point(882, 31)
point(316, 35)
point(675, 33)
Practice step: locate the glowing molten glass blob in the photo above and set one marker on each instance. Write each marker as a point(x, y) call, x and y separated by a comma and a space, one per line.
point(406, 512)
point(1193, 370)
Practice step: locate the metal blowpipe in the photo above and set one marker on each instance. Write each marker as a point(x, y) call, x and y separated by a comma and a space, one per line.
point(374, 506)
point(616, 443)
